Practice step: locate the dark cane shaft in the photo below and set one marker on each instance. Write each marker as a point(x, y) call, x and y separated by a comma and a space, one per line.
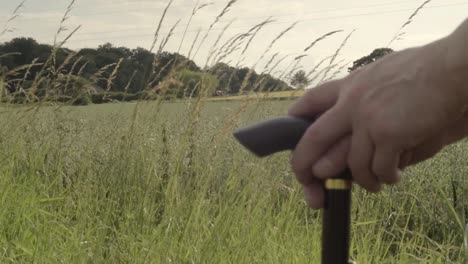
point(275, 135)
point(336, 220)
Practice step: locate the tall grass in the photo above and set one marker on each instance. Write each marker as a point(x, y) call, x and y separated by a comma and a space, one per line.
point(164, 182)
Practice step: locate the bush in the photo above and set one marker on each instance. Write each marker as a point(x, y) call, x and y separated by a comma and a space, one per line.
point(195, 83)
point(82, 100)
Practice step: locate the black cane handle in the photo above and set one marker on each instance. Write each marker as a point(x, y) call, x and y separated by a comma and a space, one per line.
point(271, 136)
point(283, 133)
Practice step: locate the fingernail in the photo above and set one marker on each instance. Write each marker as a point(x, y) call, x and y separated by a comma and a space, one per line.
point(323, 168)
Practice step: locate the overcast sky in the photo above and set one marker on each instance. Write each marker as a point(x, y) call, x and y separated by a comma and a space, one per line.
point(132, 23)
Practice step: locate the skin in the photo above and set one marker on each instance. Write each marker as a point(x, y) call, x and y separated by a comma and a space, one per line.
point(391, 114)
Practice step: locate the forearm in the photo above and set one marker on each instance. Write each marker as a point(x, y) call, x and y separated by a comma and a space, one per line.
point(457, 61)
point(458, 48)
point(447, 62)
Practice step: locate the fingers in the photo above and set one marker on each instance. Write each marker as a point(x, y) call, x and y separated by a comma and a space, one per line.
point(360, 161)
point(385, 164)
point(316, 100)
point(317, 140)
point(314, 194)
point(334, 161)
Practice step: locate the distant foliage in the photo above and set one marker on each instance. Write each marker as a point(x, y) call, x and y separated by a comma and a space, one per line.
point(232, 80)
point(375, 55)
point(300, 79)
point(194, 83)
point(64, 73)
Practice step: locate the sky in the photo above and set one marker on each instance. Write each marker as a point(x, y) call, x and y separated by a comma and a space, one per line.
point(132, 23)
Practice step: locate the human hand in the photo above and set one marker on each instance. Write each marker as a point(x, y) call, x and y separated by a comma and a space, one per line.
point(395, 112)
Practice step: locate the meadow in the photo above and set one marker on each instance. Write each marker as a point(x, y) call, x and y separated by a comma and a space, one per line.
point(163, 182)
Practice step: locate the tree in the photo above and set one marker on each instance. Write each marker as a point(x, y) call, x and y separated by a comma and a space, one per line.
point(268, 83)
point(300, 80)
point(24, 50)
point(229, 83)
point(139, 72)
point(375, 55)
point(195, 83)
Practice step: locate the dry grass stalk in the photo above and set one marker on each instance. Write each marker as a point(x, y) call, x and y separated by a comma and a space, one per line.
point(245, 82)
point(62, 23)
point(292, 64)
point(130, 81)
point(296, 66)
point(27, 73)
point(322, 71)
point(408, 21)
point(193, 43)
point(70, 74)
point(287, 74)
point(111, 78)
point(273, 57)
point(82, 68)
point(13, 16)
point(338, 70)
point(213, 48)
point(66, 61)
point(154, 73)
point(233, 45)
point(164, 42)
point(280, 35)
point(254, 31)
point(68, 36)
point(156, 34)
point(318, 65)
point(196, 8)
point(231, 48)
point(279, 61)
point(9, 54)
point(15, 71)
point(337, 52)
point(223, 12)
point(98, 75)
point(156, 76)
point(238, 39)
point(321, 38)
point(49, 64)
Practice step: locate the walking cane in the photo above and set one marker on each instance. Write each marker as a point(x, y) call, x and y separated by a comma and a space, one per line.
point(283, 133)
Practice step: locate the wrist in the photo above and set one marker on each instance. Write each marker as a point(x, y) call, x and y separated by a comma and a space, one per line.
point(456, 62)
point(448, 61)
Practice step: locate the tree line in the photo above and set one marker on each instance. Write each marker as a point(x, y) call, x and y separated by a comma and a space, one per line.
point(34, 70)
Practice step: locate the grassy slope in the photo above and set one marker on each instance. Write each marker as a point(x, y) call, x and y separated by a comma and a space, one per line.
point(106, 183)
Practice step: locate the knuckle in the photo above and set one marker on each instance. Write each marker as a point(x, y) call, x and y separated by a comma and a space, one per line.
point(383, 130)
point(364, 177)
point(313, 135)
point(357, 170)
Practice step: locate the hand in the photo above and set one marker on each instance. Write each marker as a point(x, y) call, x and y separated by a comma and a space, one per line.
point(395, 112)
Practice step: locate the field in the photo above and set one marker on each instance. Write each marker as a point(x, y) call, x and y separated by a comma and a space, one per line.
point(261, 95)
point(166, 183)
